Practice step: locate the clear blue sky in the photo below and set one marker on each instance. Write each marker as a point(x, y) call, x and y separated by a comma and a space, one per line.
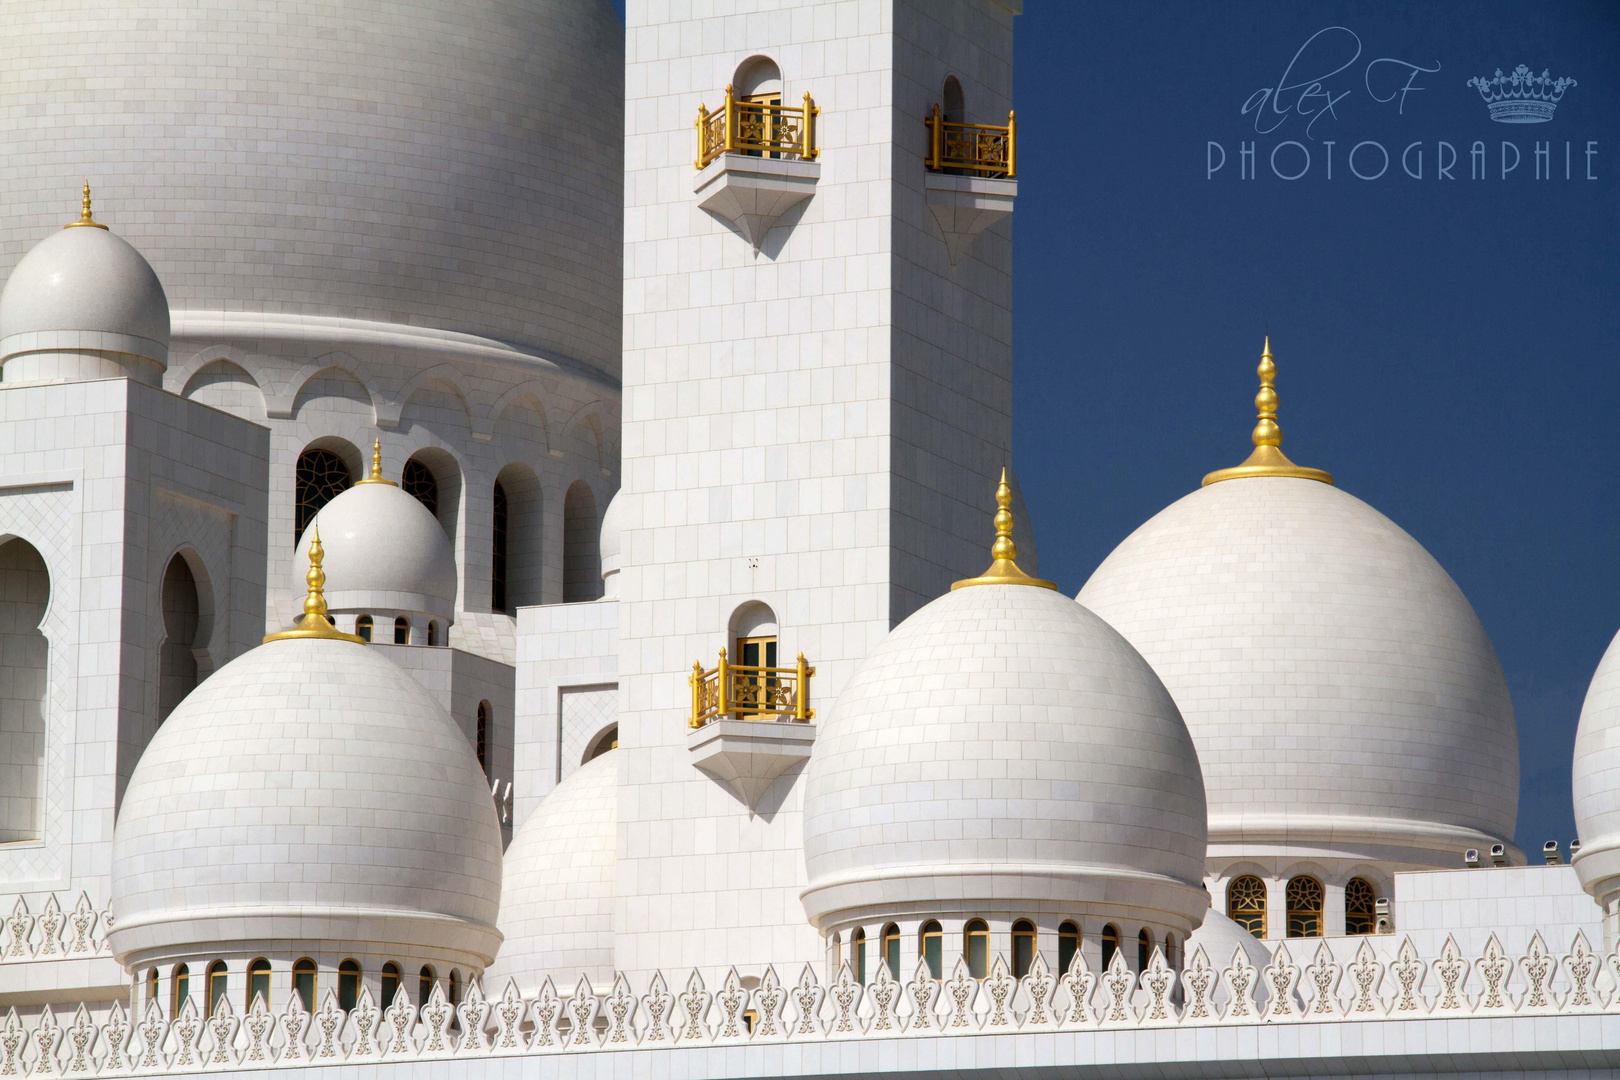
point(1446, 347)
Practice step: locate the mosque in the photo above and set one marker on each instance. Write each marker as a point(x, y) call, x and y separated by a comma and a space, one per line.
point(510, 550)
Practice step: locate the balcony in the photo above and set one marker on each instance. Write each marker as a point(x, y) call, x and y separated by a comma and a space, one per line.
point(750, 725)
point(971, 180)
point(756, 160)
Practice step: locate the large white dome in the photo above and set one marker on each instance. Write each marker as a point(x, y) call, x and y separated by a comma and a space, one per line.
point(1004, 752)
point(1343, 695)
point(310, 796)
point(1596, 781)
point(557, 911)
point(453, 166)
point(384, 553)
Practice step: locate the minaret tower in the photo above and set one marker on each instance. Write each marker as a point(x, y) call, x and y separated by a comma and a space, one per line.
point(817, 396)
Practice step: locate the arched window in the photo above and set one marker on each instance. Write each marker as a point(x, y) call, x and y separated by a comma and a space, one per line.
point(424, 985)
point(758, 81)
point(433, 631)
point(1068, 945)
point(1110, 944)
point(151, 984)
point(1144, 949)
point(1172, 952)
point(582, 565)
point(218, 980)
point(976, 948)
point(362, 627)
point(455, 988)
point(390, 983)
point(304, 982)
point(483, 737)
point(1246, 904)
point(418, 480)
point(930, 944)
point(320, 477)
point(497, 568)
point(402, 630)
point(1304, 907)
point(25, 584)
point(259, 982)
point(348, 985)
point(1023, 947)
point(1359, 907)
point(857, 955)
point(180, 985)
point(952, 106)
point(608, 740)
point(177, 663)
point(891, 950)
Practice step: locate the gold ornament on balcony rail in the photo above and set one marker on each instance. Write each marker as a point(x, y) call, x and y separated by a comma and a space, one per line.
point(85, 220)
point(756, 128)
point(744, 692)
point(987, 149)
point(376, 476)
point(315, 623)
point(1004, 569)
point(1267, 458)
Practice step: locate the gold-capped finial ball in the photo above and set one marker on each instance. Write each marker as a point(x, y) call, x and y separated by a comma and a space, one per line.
point(376, 476)
point(315, 623)
point(1004, 552)
point(1267, 458)
point(84, 213)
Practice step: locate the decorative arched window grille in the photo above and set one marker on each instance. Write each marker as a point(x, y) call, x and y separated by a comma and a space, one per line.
point(857, 955)
point(320, 477)
point(259, 982)
point(931, 945)
point(497, 569)
point(1110, 944)
point(976, 948)
point(1360, 904)
point(418, 480)
point(1246, 904)
point(483, 737)
point(1144, 949)
point(402, 630)
point(1023, 947)
point(1068, 945)
point(891, 950)
point(348, 984)
point(433, 632)
point(180, 985)
point(362, 627)
point(390, 983)
point(1304, 907)
point(218, 980)
point(424, 985)
point(304, 982)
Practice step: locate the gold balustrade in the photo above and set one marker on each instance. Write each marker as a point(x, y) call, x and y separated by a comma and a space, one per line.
point(979, 148)
point(751, 693)
point(758, 128)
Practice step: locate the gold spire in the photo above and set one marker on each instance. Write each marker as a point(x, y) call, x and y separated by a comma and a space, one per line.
point(84, 213)
point(1267, 458)
point(1004, 569)
point(376, 476)
point(315, 624)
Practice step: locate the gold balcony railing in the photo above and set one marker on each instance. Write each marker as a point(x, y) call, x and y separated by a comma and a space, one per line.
point(751, 693)
point(977, 148)
point(758, 128)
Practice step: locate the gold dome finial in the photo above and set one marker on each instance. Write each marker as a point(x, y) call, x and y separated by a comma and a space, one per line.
point(84, 213)
point(1004, 552)
point(376, 476)
point(315, 623)
point(1267, 458)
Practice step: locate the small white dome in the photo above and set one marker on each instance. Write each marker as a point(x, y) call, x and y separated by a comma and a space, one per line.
point(1596, 781)
point(83, 303)
point(384, 553)
point(1003, 751)
point(310, 796)
point(609, 543)
point(557, 914)
point(1221, 938)
point(1343, 695)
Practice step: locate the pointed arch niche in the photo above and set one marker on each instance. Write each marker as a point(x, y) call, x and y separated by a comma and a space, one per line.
point(25, 593)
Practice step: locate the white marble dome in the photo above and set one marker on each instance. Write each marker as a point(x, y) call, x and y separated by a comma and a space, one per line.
point(449, 166)
point(385, 555)
point(1596, 782)
point(1344, 697)
point(1003, 752)
point(557, 907)
point(83, 303)
point(309, 797)
point(611, 546)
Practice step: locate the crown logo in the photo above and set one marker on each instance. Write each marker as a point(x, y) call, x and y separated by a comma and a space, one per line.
point(1522, 97)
